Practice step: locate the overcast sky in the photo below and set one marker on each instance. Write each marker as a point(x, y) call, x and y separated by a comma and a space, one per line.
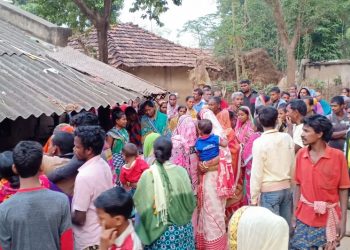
point(173, 19)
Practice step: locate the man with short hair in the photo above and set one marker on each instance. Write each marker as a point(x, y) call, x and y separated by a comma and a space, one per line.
point(340, 122)
point(285, 96)
point(321, 192)
point(59, 155)
point(34, 217)
point(271, 177)
point(207, 94)
point(249, 95)
point(198, 100)
point(172, 106)
point(275, 97)
point(94, 177)
point(296, 110)
point(69, 171)
point(293, 89)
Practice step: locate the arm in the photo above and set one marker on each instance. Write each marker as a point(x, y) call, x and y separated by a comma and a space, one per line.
point(257, 173)
point(343, 196)
point(5, 235)
point(109, 141)
point(79, 218)
point(81, 199)
point(296, 198)
point(339, 134)
point(67, 171)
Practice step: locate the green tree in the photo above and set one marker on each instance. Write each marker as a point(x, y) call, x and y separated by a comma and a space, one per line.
point(81, 14)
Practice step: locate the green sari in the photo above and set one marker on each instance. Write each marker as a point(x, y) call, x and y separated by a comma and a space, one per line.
point(157, 125)
point(120, 138)
point(179, 197)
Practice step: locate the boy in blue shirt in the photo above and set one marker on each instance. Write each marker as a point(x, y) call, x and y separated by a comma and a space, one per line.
point(207, 145)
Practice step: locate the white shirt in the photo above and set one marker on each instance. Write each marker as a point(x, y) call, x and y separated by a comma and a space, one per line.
point(297, 131)
point(273, 162)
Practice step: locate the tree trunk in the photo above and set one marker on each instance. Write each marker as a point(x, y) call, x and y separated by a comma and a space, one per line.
point(102, 30)
point(291, 66)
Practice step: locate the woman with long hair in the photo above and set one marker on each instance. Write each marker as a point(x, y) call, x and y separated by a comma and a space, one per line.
point(117, 137)
point(165, 203)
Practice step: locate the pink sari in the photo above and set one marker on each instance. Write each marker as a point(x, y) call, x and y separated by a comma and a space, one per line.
point(247, 158)
point(211, 227)
point(183, 154)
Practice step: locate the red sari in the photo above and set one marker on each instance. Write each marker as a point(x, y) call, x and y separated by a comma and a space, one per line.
point(236, 200)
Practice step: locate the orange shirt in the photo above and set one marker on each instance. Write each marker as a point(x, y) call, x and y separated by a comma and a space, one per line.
point(320, 182)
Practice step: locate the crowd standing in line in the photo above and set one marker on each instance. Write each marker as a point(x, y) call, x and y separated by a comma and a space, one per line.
point(265, 171)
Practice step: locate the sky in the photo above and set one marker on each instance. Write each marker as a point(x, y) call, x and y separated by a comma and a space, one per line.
point(173, 19)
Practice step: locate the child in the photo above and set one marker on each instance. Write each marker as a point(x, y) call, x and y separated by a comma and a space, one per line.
point(131, 172)
point(207, 144)
point(34, 217)
point(282, 118)
point(9, 181)
point(114, 208)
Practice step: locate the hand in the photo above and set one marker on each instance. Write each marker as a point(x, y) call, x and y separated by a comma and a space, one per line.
point(108, 237)
point(341, 231)
point(293, 223)
point(202, 168)
point(289, 121)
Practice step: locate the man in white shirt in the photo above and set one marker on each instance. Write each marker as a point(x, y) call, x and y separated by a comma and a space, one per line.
point(296, 110)
point(272, 167)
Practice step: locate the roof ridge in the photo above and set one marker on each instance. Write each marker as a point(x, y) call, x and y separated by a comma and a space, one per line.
point(133, 46)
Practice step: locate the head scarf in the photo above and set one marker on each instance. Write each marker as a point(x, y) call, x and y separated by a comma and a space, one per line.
point(244, 130)
point(148, 144)
point(269, 231)
point(186, 128)
point(217, 128)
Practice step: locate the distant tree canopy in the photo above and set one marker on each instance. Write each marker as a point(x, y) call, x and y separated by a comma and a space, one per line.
point(324, 28)
point(82, 14)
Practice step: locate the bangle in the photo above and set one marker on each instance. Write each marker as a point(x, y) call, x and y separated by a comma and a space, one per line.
point(205, 165)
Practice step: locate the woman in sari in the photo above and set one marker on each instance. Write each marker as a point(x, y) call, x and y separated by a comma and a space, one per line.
point(244, 130)
point(244, 127)
point(236, 200)
point(181, 110)
point(184, 138)
point(215, 186)
point(165, 202)
point(257, 228)
point(117, 137)
point(153, 121)
point(247, 156)
point(148, 154)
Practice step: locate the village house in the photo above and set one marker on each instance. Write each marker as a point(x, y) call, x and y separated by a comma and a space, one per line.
point(41, 82)
point(148, 56)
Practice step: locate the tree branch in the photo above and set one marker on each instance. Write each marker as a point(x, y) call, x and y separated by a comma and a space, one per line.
point(281, 24)
point(91, 14)
point(107, 9)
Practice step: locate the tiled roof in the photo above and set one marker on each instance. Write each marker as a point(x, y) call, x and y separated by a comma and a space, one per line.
point(132, 46)
point(33, 83)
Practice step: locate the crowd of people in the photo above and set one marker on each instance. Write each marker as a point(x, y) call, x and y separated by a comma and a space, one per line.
point(265, 171)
